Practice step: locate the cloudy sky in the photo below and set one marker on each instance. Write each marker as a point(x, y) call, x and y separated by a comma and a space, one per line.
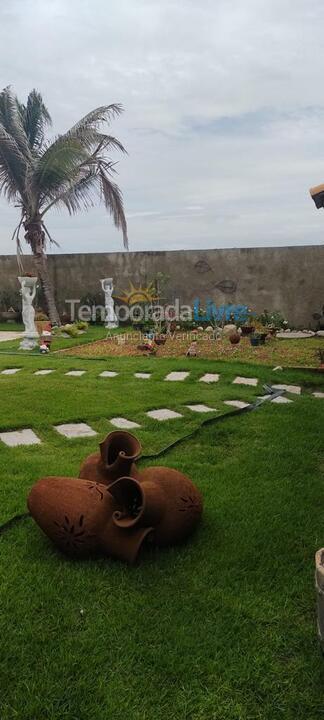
point(223, 121)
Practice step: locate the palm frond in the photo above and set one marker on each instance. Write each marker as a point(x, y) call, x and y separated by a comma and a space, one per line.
point(80, 195)
point(113, 200)
point(11, 120)
point(13, 168)
point(96, 117)
point(35, 118)
point(58, 167)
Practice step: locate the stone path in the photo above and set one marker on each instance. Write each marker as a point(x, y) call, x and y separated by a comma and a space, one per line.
point(75, 430)
point(9, 335)
point(81, 429)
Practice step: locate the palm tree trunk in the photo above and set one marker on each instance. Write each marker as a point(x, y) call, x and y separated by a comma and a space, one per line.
point(35, 237)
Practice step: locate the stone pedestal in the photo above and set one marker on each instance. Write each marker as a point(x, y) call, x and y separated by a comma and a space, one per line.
point(111, 320)
point(28, 291)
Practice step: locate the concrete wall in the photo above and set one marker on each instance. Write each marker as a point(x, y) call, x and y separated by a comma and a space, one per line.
point(289, 279)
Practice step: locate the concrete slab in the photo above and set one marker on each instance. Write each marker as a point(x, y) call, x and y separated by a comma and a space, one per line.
point(245, 381)
point(318, 394)
point(209, 378)
point(108, 373)
point(10, 371)
point(201, 408)
point(295, 389)
point(123, 423)
point(75, 373)
point(43, 372)
point(281, 400)
point(20, 437)
point(75, 430)
point(143, 376)
point(7, 335)
point(163, 414)
point(236, 403)
point(173, 376)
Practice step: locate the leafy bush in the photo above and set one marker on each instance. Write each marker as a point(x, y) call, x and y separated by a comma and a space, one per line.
point(274, 319)
point(82, 325)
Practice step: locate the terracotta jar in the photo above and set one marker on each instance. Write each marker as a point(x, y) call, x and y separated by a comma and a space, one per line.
point(117, 456)
point(81, 516)
point(78, 516)
point(234, 338)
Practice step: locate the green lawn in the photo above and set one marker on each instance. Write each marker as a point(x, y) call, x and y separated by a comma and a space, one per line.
point(94, 332)
point(222, 628)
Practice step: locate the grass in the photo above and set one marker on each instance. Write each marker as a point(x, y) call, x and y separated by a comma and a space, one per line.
point(222, 628)
point(94, 333)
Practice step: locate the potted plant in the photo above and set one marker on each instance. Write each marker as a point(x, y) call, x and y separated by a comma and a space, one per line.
point(256, 339)
point(234, 337)
point(247, 327)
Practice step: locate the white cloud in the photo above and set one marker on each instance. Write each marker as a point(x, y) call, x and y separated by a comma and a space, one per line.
point(223, 113)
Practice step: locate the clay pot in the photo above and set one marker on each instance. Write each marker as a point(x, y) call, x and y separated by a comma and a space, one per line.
point(81, 516)
point(117, 456)
point(78, 516)
point(247, 330)
point(168, 501)
point(234, 338)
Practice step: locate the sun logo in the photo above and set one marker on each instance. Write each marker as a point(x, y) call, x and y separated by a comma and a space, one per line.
point(138, 295)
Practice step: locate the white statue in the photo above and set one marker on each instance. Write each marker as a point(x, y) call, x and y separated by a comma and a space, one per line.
point(28, 292)
point(111, 320)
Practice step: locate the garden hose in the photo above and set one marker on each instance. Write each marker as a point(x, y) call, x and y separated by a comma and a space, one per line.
point(209, 421)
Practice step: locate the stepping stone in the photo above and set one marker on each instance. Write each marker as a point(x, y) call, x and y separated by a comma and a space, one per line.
point(318, 394)
point(19, 437)
point(163, 414)
point(10, 371)
point(176, 376)
point(143, 376)
point(295, 389)
point(245, 381)
point(201, 408)
point(75, 373)
point(281, 400)
point(108, 373)
point(120, 422)
point(236, 403)
point(209, 378)
point(43, 372)
point(75, 430)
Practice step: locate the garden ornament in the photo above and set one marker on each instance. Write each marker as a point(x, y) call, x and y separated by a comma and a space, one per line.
point(81, 516)
point(117, 456)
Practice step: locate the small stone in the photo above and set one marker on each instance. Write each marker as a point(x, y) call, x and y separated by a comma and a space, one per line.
point(10, 371)
point(245, 381)
point(108, 373)
point(75, 430)
point(19, 437)
point(201, 408)
point(176, 376)
point(294, 389)
point(236, 403)
point(278, 367)
point(163, 414)
point(209, 378)
point(143, 376)
point(75, 373)
point(120, 422)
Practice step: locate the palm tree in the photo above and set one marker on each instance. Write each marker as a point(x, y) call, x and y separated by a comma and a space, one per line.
point(72, 171)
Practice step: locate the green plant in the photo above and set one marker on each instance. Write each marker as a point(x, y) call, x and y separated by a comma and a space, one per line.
point(273, 319)
point(71, 330)
point(81, 325)
point(71, 171)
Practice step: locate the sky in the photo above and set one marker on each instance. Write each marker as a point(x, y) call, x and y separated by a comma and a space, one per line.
point(223, 114)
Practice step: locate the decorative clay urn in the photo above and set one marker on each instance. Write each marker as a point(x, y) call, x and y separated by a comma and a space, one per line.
point(117, 456)
point(81, 516)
